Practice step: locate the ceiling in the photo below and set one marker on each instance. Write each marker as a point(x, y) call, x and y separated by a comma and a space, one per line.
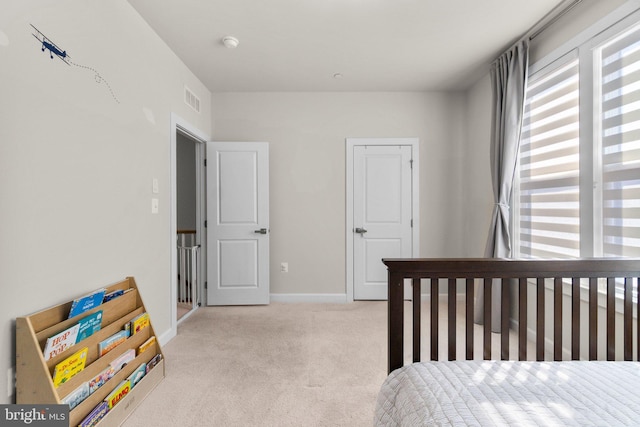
point(376, 45)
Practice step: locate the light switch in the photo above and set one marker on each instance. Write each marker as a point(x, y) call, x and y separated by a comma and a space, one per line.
point(154, 206)
point(155, 188)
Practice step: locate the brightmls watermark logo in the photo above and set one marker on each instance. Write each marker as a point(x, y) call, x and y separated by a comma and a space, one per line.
point(34, 415)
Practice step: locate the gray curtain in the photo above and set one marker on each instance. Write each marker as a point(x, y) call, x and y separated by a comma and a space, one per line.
point(509, 82)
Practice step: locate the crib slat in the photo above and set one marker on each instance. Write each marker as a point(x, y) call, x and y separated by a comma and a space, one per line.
point(469, 319)
point(638, 320)
point(504, 316)
point(593, 318)
point(486, 346)
point(417, 297)
point(540, 320)
point(452, 318)
point(575, 318)
point(611, 319)
point(557, 319)
point(522, 320)
point(487, 318)
point(395, 321)
point(434, 319)
point(627, 319)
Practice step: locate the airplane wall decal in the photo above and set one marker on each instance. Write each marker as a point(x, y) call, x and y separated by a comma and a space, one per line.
point(47, 43)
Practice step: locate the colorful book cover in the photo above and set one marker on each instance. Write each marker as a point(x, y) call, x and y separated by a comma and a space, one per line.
point(111, 295)
point(153, 362)
point(60, 342)
point(147, 344)
point(99, 380)
point(89, 325)
point(137, 375)
point(95, 415)
point(86, 303)
point(118, 393)
point(76, 397)
point(122, 360)
point(139, 322)
point(70, 366)
point(112, 342)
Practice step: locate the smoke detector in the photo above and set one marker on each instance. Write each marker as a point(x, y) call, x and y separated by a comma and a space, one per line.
point(230, 42)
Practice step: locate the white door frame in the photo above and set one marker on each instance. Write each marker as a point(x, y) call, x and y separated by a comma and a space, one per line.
point(177, 123)
point(350, 144)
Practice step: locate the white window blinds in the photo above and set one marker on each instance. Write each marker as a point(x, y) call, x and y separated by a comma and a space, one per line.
point(619, 91)
point(549, 210)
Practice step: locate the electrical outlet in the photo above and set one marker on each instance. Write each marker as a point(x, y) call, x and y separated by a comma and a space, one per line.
point(11, 381)
point(284, 267)
point(154, 206)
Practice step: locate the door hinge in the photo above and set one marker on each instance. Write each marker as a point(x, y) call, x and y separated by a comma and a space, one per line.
point(411, 163)
point(205, 285)
point(411, 222)
point(205, 163)
point(205, 223)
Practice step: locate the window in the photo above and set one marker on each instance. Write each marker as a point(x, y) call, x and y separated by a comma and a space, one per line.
point(578, 193)
point(618, 92)
point(549, 166)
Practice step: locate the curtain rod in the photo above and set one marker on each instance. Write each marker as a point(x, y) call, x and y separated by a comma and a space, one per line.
point(550, 18)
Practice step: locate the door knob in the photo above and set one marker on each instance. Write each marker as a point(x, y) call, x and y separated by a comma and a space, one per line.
point(360, 230)
point(261, 231)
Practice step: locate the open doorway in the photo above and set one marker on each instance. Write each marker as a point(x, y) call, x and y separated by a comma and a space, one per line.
point(188, 213)
point(189, 245)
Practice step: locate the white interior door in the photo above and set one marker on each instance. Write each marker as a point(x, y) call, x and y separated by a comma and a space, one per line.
point(382, 215)
point(237, 223)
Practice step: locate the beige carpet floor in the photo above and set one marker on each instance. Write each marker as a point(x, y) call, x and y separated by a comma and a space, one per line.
point(276, 365)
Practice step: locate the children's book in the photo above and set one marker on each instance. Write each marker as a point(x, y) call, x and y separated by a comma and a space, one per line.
point(112, 342)
point(60, 342)
point(76, 397)
point(118, 393)
point(99, 380)
point(137, 375)
point(153, 362)
point(147, 344)
point(122, 360)
point(95, 415)
point(86, 303)
point(89, 325)
point(111, 295)
point(69, 367)
point(139, 322)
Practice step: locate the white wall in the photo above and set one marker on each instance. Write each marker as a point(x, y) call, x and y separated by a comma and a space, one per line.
point(76, 167)
point(307, 132)
point(477, 189)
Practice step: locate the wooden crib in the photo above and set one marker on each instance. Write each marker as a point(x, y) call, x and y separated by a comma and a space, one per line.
point(594, 285)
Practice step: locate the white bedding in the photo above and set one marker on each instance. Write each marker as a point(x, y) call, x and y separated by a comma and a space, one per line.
point(509, 393)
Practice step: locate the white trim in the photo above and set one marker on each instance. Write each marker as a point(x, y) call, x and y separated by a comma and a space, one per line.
point(167, 336)
point(415, 181)
point(603, 24)
point(176, 123)
point(310, 298)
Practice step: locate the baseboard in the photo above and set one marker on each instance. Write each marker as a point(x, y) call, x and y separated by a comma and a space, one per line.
point(315, 298)
point(167, 336)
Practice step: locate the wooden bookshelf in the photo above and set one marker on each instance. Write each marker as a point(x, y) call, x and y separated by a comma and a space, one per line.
point(34, 375)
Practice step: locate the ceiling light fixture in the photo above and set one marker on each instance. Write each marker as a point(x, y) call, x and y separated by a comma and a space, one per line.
point(338, 76)
point(230, 42)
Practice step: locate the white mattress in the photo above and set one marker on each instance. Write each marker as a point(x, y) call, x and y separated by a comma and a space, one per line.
point(509, 393)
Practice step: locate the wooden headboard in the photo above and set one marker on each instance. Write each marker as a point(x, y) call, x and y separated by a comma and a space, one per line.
point(515, 275)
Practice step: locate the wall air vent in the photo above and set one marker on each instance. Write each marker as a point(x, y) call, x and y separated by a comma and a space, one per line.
point(191, 99)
